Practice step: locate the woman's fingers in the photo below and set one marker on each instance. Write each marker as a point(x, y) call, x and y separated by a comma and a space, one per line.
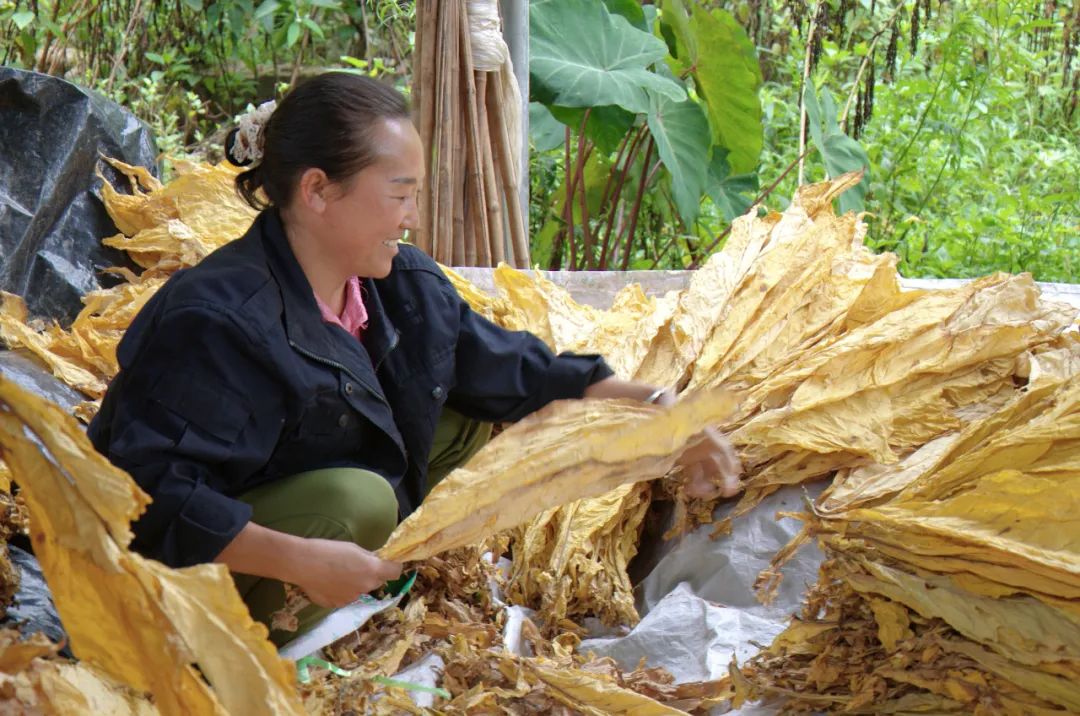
point(712, 468)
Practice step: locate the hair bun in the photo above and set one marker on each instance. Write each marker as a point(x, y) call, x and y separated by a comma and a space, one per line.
point(244, 144)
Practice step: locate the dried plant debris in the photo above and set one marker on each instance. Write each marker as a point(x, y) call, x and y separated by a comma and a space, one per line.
point(14, 520)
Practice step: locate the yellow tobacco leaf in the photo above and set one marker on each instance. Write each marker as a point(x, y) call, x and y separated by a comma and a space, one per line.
point(572, 561)
point(62, 688)
point(178, 224)
point(17, 334)
point(16, 654)
point(1024, 629)
point(140, 622)
point(567, 451)
point(893, 623)
point(592, 694)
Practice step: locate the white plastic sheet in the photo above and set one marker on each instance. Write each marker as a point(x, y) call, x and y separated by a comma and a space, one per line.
point(698, 603)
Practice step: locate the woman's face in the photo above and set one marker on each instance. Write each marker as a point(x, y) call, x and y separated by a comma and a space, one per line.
point(366, 216)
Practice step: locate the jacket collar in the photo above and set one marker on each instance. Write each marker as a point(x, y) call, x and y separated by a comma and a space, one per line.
point(304, 325)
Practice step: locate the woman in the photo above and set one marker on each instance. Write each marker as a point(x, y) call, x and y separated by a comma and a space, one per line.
point(287, 400)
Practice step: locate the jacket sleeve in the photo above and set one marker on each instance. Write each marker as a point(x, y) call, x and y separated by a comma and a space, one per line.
point(502, 375)
point(190, 416)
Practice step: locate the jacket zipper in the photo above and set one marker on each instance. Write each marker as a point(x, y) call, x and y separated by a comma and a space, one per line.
point(339, 366)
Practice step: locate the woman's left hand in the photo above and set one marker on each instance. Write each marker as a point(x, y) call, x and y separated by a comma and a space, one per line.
point(710, 467)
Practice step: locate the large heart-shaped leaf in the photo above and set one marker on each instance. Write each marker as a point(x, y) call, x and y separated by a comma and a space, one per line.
point(840, 152)
point(681, 132)
point(580, 55)
point(631, 10)
point(606, 126)
point(715, 49)
point(545, 132)
point(731, 194)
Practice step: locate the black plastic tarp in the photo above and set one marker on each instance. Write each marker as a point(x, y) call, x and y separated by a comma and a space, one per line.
point(52, 134)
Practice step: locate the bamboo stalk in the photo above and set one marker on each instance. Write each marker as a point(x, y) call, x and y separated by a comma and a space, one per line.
point(436, 109)
point(443, 229)
point(425, 93)
point(477, 246)
point(518, 241)
point(459, 43)
point(492, 198)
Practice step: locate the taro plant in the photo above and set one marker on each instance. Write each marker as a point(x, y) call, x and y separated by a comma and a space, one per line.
point(655, 112)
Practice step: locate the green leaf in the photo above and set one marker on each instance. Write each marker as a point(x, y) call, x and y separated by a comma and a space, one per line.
point(731, 194)
point(314, 27)
point(675, 26)
point(195, 5)
point(329, 4)
point(22, 19)
point(840, 152)
point(267, 9)
point(721, 57)
point(597, 173)
point(681, 132)
point(543, 243)
point(292, 34)
point(630, 9)
point(154, 57)
point(583, 56)
point(606, 127)
point(813, 115)
point(545, 132)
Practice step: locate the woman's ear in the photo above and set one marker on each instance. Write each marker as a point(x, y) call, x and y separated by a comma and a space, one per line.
point(313, 190)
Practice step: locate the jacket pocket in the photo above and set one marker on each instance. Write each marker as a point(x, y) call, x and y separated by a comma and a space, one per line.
point(210, 406)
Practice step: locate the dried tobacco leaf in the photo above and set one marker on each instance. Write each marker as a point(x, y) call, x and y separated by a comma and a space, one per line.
point(139, 621)
point(170, 227)
point(566, 451)
point(958, 571)
point(572, 561)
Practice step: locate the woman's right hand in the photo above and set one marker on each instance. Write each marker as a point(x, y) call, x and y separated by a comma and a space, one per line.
point(334, 573)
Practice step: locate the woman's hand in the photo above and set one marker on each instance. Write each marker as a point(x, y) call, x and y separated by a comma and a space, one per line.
point(332, 573)
point(710, 467)
point(336, 573)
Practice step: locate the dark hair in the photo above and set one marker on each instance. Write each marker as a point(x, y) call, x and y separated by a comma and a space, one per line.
point(326, 123)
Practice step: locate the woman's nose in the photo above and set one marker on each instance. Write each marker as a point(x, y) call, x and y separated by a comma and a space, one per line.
point(411, 220)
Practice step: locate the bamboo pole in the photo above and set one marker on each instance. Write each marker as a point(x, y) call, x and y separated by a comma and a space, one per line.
point(439, 107)
point(503, 163)
point(448, 35)
point(492, 198)
point(426, 97)
point(462, 50)
point(477, 243)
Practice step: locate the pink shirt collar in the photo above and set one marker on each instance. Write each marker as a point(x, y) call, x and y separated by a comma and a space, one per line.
point(354, 317)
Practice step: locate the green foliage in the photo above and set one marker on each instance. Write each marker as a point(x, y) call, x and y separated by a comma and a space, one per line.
point(966, 119)
point(580, 55)
point(681, 133)
point(714, 49)
point(973, 153)
point(189, 67)
point(600, 69)
point(840, 152)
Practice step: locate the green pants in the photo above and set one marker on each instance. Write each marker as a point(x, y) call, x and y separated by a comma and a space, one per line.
point(346, 504)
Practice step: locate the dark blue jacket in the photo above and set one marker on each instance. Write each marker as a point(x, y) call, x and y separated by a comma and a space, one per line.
point(229, 378)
